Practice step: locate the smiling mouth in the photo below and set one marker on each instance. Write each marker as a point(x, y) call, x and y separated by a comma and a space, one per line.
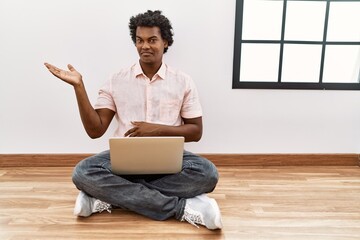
point(146, 53)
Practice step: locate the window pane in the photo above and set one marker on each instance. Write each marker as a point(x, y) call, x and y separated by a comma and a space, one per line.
point(301, 63)
point(342, 64)
point(262, 20)
point(344, 21)
point(259, 62)
point(305, 20)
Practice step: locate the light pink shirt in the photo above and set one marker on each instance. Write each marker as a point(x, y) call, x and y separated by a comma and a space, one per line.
point(165, 99)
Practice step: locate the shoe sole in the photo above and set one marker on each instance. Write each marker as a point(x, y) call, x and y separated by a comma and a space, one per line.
point(215, 206)
point(218, 222)
point(77, 209)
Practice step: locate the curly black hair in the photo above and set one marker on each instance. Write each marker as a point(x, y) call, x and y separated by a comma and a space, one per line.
point(152, 19)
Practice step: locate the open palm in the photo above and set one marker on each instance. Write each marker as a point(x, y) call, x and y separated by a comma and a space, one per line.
point(72, 76)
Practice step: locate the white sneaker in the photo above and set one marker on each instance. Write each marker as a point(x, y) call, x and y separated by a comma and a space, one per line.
point(202, 210)
point(86, 205)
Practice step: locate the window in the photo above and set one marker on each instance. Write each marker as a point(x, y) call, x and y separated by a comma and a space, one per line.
point(297, 44)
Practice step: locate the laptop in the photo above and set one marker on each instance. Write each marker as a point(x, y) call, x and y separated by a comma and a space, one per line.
point(146, 155)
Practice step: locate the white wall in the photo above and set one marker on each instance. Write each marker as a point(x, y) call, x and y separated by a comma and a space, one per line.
point(38, 113)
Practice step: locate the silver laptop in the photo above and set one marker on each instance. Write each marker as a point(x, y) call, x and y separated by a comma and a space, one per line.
point(146, 155)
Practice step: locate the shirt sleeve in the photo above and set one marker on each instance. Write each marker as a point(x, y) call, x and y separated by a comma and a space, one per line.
point(105, 98)
point(191, 106)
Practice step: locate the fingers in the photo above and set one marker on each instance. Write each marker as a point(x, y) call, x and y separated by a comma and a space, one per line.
point(71, 68)
point(131, 132)
point(54, 70)
point(135, 123)
point(49, 66)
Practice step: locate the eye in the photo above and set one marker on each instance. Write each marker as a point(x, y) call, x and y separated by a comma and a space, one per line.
point(153, 40)
point(138, 40)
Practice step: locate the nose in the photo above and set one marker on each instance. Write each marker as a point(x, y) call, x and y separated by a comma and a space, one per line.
point(145, 45)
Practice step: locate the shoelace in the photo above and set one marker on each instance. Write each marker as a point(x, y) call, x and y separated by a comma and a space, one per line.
point(192, 217)
point(101, 206)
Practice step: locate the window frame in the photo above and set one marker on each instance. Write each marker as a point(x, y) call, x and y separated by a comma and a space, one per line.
point(238, 41)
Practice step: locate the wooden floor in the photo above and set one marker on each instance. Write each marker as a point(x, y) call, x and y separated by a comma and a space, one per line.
point(256, 203)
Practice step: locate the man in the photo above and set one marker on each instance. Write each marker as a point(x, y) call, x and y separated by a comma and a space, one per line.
point(147, 99)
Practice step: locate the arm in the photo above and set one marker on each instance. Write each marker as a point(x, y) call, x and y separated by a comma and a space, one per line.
point(95, 122)
point(191, 129)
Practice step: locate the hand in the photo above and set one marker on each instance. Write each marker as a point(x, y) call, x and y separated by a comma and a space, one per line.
point(72, 77)
point(143, 129)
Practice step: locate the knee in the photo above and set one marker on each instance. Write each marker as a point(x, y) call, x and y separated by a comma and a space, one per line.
point(212, 175)
point(205, 171)
point(209, 175)
point(77, 175)
point(86, 169)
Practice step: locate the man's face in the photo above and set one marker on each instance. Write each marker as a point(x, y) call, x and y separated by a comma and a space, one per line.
point(150, 44)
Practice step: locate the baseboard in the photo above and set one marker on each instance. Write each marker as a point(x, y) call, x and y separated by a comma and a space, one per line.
point(70, 160)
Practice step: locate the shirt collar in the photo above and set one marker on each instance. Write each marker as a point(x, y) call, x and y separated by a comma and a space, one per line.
point(161, 72)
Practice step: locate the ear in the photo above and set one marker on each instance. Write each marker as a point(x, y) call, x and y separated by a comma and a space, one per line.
point(165, 43)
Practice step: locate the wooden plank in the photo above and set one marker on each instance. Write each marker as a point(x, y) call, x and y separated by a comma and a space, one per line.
point(41, 160)
point(68, 160)
point(272, 203)
point(284, 159)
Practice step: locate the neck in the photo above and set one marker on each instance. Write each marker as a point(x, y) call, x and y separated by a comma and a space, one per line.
point(150, 69)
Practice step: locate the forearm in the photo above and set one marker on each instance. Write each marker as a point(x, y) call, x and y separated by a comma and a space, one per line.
point(89, 117)
point(191, 132)
point(95, 122)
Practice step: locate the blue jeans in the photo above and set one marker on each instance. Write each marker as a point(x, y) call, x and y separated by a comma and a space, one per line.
point(156, 196)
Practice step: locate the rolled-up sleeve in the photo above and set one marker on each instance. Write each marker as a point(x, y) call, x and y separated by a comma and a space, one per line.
point(105, 98)
point(191, 106)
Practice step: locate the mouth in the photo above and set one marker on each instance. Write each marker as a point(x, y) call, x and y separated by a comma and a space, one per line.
point(146, 54)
